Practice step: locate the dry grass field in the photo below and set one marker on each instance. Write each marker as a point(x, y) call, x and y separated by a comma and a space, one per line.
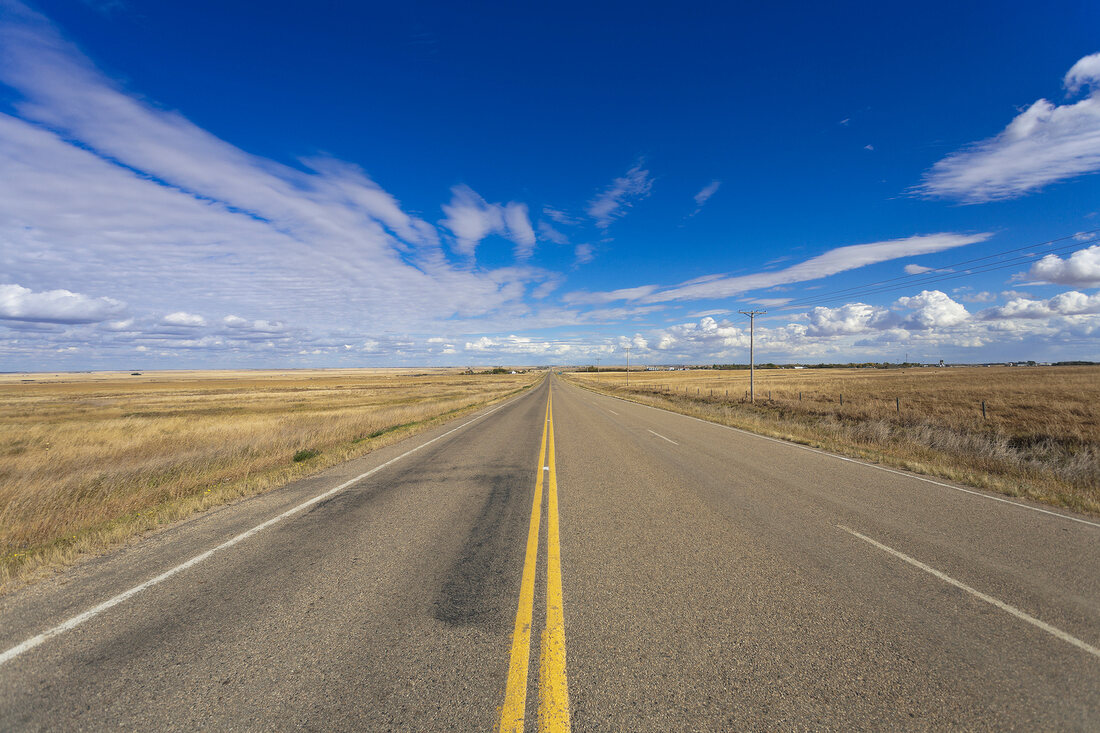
point(90, 460)
point(1040, 437)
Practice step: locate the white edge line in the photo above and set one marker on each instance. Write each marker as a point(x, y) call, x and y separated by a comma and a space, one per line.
point(979, 494)
point(670, 440)
point(75, 621)
point(1052, 630)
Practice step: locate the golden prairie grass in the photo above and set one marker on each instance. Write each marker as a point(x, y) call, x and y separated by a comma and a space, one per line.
point(1040, 437)
point(89, 460)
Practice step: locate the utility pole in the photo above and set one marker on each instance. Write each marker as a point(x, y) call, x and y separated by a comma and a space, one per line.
point(752, 360)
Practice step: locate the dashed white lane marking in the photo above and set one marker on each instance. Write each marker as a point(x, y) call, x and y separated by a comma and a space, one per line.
point(914, 476)
point(670, 440)
point(1052, 630)
point(612, 412)
point(91, 613)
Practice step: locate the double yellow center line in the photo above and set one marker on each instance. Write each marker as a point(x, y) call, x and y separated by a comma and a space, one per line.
point(553, 688)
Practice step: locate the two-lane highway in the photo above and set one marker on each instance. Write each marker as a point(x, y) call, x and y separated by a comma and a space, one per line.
point(569, 559)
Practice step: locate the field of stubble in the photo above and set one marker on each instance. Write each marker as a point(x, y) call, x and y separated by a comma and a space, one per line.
point(1040, 437)
point(90, 460)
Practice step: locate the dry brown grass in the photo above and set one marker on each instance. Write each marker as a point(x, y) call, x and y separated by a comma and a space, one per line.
point(1040, 439)
point(90, 460)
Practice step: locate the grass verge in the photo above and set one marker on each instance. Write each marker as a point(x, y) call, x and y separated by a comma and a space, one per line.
point(1059, 469)
point(87, 466)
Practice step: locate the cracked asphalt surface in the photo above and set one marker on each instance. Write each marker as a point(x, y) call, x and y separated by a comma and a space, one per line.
point(709, 583)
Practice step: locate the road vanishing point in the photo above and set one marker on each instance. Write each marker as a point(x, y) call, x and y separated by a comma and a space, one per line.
point(567, 560)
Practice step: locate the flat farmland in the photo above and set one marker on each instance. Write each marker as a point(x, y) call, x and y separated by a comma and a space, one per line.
point(90, 460)
point(1039, 437)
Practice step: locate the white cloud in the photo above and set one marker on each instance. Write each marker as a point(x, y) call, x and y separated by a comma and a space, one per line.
point(837, 260)
point(1081, 269)
point(583, 254)
point(471, 218)
point(1070, 303)
point(963, 295)
point(1084, 74)
point(102, 188)
point(610, 296)
point(932, 309)
point(182, 318)
point(560, 216)
point(704, 195)
point(550, 234)
point(1043, 144)
point(706, 337)
point(620, 195)
point(917, 269)
point(709, 190)
point(54, 306)
point(850, 318)
point(519, 229)
point(123, 325)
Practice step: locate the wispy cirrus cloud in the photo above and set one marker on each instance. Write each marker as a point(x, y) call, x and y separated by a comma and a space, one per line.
point(832, 262)
point(138, 205)
point(1043, 144)
point(471, 218)
point(704, 195)
point(614, 201)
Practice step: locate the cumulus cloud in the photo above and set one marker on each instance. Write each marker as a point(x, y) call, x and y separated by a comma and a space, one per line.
point(55, 306)
point(932, 309)
point(620, 196)
point(1043, 144)
point(260, 326)
point(1081, 269)
point(1072, 303)
point(851, 318)
point(182, 318)
point(705, 336)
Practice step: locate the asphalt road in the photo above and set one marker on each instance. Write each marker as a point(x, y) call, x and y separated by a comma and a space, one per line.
point(707, 579)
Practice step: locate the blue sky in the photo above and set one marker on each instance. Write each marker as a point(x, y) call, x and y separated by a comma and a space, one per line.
point(203, 185)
